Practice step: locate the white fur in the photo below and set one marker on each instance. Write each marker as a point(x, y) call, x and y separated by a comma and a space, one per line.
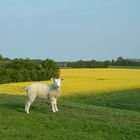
point(51, 91)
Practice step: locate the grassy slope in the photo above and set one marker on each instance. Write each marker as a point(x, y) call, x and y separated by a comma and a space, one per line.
point(128, 99)
point(108, 116)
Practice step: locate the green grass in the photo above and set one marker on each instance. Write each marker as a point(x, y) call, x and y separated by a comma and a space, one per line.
point(108, 116)
point(127, 100)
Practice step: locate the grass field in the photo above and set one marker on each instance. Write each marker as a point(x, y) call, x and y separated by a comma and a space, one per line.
point(96, 104)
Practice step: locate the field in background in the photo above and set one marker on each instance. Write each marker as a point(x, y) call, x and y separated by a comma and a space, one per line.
point(111, 115)
point(85, 81)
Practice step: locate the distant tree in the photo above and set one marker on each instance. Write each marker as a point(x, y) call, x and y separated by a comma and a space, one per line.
point(1, 58)
point(19, 70)
point(106, 63)
point(112, 62)
point(51, 68)
point(120, 61)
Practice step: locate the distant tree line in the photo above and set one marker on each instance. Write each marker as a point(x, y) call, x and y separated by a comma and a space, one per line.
point(88, 64)
point(19, 70)
point(125, 62)
point(100, 64)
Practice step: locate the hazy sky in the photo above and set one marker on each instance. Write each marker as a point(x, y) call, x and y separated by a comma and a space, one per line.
point(70, 29)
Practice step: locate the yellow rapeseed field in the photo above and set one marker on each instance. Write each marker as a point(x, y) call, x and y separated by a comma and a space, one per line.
point(85, 81)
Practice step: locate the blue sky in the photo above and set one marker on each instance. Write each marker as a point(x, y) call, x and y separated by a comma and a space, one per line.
point(70, 30)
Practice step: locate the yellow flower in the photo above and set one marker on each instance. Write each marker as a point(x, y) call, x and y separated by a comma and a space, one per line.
point(85, 81)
